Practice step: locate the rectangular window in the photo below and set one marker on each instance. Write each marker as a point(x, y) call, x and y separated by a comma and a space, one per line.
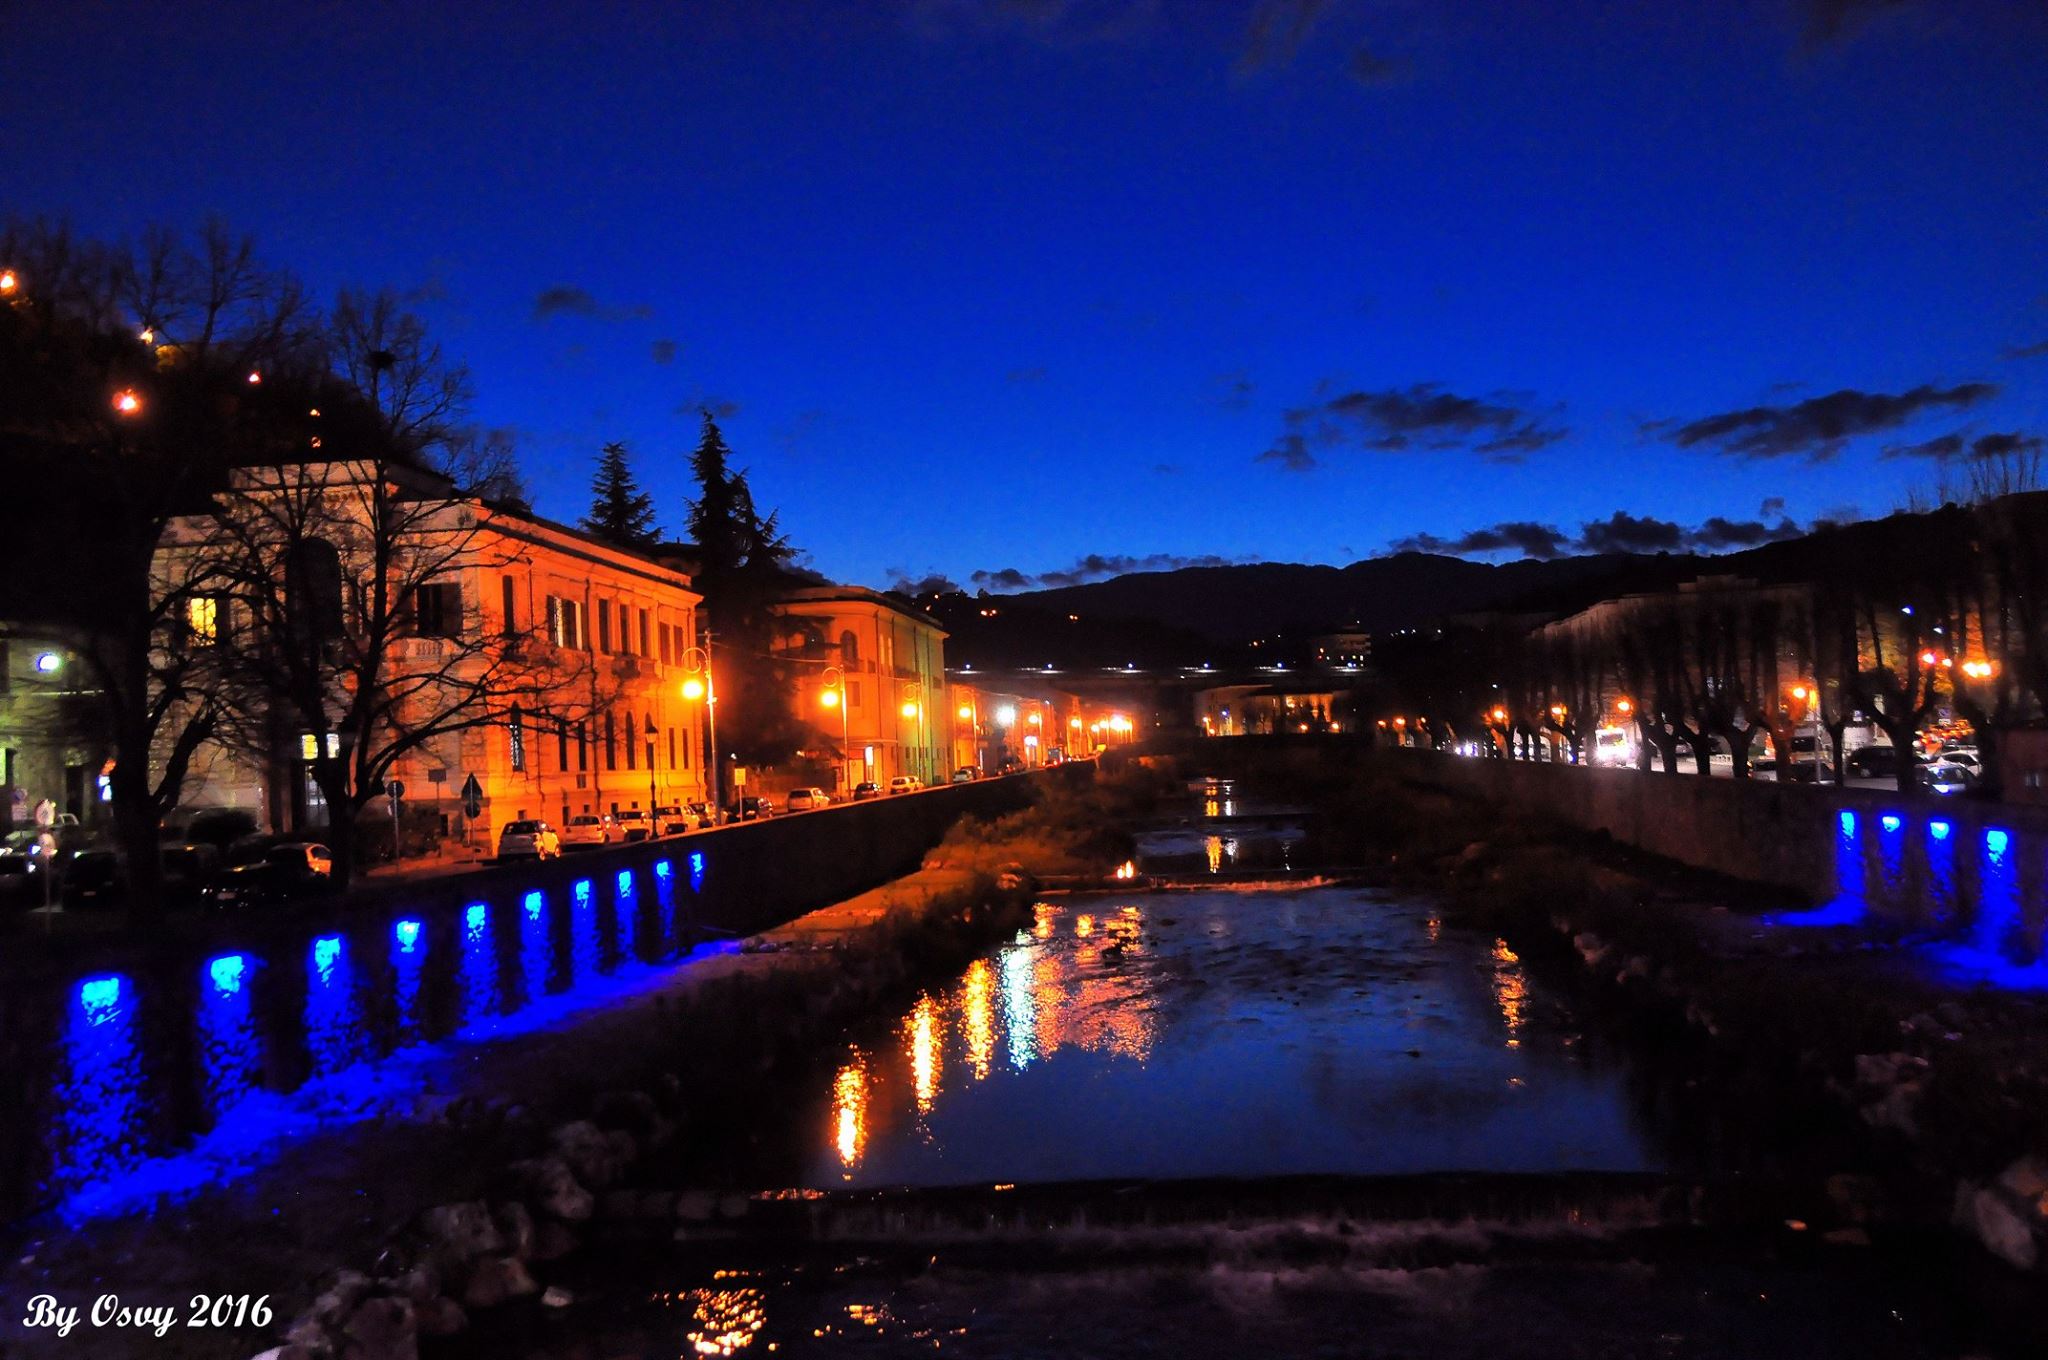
point(604, 626)
point(671, 749)
point(632, 740)
point(611, 744)
point(556, 621)
point(562, 744)
point(645, 649)
point(437, 610)
point(583, 746)
point(202, 619)
point(510, 594)
point(668, 655)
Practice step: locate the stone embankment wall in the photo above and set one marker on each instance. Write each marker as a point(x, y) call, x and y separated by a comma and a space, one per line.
point(122, 1049)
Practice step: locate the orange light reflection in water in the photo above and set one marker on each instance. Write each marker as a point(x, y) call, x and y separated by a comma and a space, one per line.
point(850, 1112)
point(725, 1320)
point(978, 1016)
point(1510, 989)
point(923, 1035)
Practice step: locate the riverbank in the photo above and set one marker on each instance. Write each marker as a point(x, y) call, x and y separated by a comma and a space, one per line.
point(1944, 1079)
point(489, 1158)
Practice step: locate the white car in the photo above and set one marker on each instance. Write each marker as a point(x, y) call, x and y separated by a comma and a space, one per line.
point(530, 839)
point(588, 829)
point(673, 821)
point(905, 783)
point(633, 825)
point(806, 800)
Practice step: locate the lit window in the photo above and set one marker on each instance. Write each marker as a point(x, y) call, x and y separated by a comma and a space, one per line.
point(202, 618)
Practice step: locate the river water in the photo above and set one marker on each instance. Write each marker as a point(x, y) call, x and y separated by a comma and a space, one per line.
point(1227, 1031)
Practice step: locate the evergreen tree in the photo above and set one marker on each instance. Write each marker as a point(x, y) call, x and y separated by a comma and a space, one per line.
point(620, 512)
point(745, 564)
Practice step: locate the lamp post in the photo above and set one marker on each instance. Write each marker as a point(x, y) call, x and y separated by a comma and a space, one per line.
point(698, 684)
point(913, 710)
point(653, 798)
point(834, 696)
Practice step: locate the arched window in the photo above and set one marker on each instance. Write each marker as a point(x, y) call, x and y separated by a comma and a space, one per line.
point(849, 649)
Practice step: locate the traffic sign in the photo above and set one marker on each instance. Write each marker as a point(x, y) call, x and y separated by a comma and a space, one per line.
point(395, 789)
point(472, 797)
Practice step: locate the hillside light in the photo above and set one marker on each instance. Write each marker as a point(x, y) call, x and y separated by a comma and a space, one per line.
point(8, 282)
point(147, 335)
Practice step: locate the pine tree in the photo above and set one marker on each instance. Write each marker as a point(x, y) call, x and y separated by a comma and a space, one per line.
point(620, 512)
point(745, 564)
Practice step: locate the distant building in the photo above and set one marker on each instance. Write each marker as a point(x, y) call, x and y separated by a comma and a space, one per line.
point(893, 717)
point(1271, 709)
point(1350, 646)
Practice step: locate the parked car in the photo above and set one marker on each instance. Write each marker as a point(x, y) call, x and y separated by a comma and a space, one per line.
point(188, 870)
point(674, 821)
point(703, 812)
point(865, 790)
point(286, 876)
point(905, 783)
point(94, 878)
point(633, 824)
point(219, 827)
point(806, 800)
point(749, 808)
point(1010, 765)
point(529, 839)
point(1874, 762)
point(587, 829)
point(1944, 776)
point(967, 774)
point(1963, 755)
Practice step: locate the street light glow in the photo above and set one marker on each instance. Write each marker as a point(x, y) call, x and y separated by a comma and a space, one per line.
point(693, 689)
point(966, 713)
point(8, 283)
point(127, 402)
point(1006, 715)
point(910, 709)
point(829, 698)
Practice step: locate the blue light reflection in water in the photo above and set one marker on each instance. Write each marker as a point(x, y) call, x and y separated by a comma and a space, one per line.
point(583, 938)
point(230, 1047)
point(1998, 895)
point(334, 1022)
point(408, 968)
point(1891, 854)
point(479, 968)
point(536, 949)
point(1942, 898)
point(665, 897)
point(100, 1094)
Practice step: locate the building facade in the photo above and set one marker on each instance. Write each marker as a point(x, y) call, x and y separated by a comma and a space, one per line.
point(49, 745)
point(872, 683)
point(534, 660)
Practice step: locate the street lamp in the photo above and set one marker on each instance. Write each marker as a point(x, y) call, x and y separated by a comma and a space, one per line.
point(127, 402)
point(833, 695)
point(653, 797)
point(699, 686)
point(8, 282)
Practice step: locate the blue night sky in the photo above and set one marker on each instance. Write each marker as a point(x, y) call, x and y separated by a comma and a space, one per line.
point(1007, 285)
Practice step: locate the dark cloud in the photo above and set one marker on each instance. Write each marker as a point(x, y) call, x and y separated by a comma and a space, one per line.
point(1819, 426)
point(718, 408)
point(1096, 567)
point(1620, 532)
point(1718, 534)
point(1371, 70)
point(933, 584)
point(1524, 536)
point(2033, 351)
point(1026, 375)
point(1422, 416)
point(1773, 505)
point(1166, 469)
point(1277, 31)
point(663, 351)
point(1983, 446)
point(1832, 20)
point(566, 300)
point(1623, 532)
point(1008, 578)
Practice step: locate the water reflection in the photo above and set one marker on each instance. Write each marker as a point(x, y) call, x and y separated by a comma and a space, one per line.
point(100, 1097)
point(849, 1113)
point(408, 971)
point(536, 948)
point(725, 1321)
point(479, 965)
point(583, 933)
point(230, 1050)
point(334, 1022)
point(1226, 1033)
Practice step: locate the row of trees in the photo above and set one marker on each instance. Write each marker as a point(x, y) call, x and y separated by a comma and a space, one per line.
point(1891, 622)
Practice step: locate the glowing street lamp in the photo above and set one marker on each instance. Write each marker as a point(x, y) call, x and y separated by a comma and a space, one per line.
point(8, 282)
point(127, 402)
point(699, 686)
point(1624, 707)
point(833, 695)
point(1980, 670)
